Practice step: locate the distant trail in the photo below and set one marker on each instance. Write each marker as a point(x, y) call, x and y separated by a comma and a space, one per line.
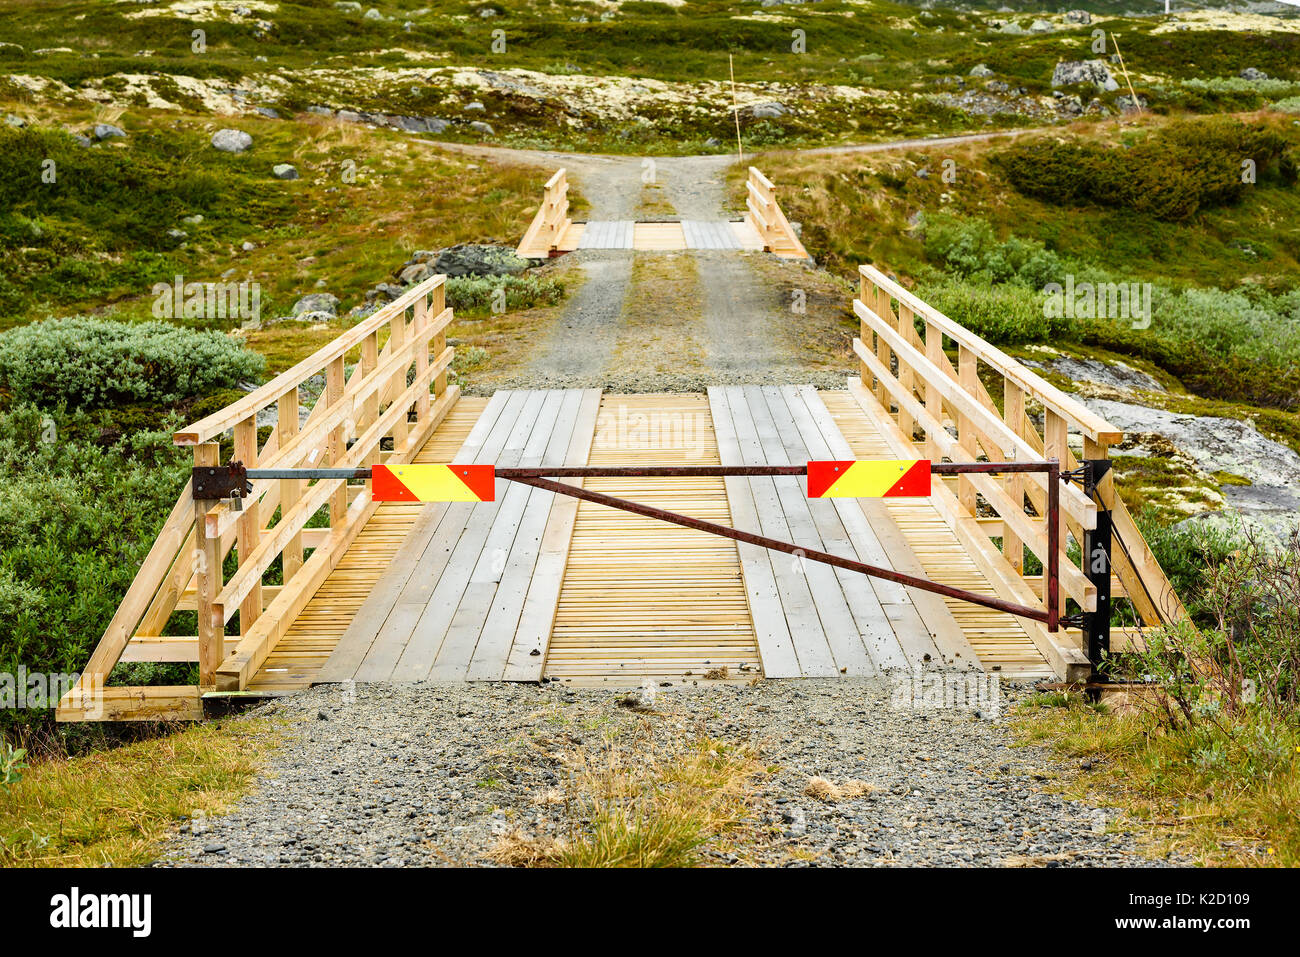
point(543, 157)
point(713, 319)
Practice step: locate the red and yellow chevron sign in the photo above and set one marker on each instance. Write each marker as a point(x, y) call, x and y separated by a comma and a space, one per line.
point(433, 483)
point(891, 478)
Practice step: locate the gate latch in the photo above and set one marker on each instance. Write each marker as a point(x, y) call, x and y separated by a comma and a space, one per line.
point(210, 482)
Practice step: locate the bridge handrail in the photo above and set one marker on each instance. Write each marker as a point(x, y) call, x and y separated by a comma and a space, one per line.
point(384, 410)
point(909, 371)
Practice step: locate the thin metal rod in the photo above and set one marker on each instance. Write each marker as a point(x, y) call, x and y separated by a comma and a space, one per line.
point(645, 471)
point(922, 584)
point(309, 474)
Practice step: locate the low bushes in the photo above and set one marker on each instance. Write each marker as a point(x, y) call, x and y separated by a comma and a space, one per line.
point(76, 521)
point(85, 362)
point(1175, 171)
point(482, 294)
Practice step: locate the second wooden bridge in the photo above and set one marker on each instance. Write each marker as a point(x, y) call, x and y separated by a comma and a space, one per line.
point(537, 586)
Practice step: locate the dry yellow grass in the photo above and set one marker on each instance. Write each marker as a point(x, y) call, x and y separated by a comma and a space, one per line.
point(649, 798)
point(115, 807)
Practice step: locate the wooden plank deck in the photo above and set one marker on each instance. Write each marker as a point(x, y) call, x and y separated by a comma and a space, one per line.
point(531, 586)
point(643, 598)
point(296, 661)
point(999, 639)
point(449, 607)
point(838, 622)
point(661, 237)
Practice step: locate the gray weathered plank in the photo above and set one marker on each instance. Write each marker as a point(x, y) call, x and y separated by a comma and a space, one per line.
point(775, 644)
point(380, 603)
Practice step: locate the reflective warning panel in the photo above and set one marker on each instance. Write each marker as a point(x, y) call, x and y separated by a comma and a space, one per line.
point(886, 479)
point(433, 483)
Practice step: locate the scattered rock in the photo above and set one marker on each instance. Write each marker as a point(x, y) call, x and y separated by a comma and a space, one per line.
point(1071, 72)
point(474, 259)
point(1041, 26)
point(481, 127)
point(980, 70)
point(1078, 16)
point(766, 111)
point(373, 14)
point(231, 141)
point(1251, 73)
point(640, 699)
point(284, 171)
point(323, 302)
point(104, 131)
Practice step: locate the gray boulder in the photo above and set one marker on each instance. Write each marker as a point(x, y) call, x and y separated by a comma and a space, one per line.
point(473, 259)
point(1071, 72)
point(1078, 16)
point(105, 131)
point(415, 273)
point(348, 6)
point(1250, 73)
point(981, 70)
point(481, 127)
point(284, 171)
point(767, 111)
point(317, 302)
point(231, 141)
point(1041, 26)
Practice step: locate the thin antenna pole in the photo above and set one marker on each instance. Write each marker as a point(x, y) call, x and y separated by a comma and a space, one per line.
point(1137, 107)
point(735, 107)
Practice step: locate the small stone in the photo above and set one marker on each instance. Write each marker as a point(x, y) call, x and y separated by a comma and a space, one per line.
point(231, 141)
point(104, 131)
point(284, 171)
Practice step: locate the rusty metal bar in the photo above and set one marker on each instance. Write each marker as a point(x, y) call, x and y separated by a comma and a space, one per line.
point(223, 481)
point(875, 571)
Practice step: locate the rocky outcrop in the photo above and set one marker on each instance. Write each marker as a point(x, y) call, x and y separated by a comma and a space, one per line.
point(1222, 445)
point(1072, 72)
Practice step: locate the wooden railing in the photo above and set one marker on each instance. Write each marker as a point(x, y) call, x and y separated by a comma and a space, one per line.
point(542, 238)
point(947, 412)
point(765, 216)
point(383, 411)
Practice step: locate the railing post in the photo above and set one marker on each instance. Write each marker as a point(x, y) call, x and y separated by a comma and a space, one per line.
point(1055, 431)
point(968, 379)
point(249, 528)
point(286, 428)
point(370, 407)
point(334, 384)
point(207, 578)
point(1013, 413)
point(396, 340)
point(864, 331)
point(907, 329)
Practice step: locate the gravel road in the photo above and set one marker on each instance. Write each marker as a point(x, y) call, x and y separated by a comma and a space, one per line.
point(435, 774)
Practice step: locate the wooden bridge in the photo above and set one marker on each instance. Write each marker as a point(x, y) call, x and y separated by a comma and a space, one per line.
point(329, 585)
point(764, 227)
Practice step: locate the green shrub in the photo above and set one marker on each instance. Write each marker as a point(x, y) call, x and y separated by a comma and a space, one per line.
point(76, 521)
point(1005, 314)
point(1171, 174)
point(1289, 105)
point(84, 362)
point(969, 248)
point(478, 294)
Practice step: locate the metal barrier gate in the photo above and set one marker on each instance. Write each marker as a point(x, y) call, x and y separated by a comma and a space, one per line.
point(824, 479)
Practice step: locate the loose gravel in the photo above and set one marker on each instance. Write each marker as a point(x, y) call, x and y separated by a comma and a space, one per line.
point(388, 775)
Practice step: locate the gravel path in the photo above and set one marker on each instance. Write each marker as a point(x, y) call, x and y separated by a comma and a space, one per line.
point(430, 774)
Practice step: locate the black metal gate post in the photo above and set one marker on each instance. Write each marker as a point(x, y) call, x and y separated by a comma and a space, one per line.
point(1097, 567)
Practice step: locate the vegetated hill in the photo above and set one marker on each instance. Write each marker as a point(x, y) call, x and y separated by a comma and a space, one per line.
point(639, 77)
